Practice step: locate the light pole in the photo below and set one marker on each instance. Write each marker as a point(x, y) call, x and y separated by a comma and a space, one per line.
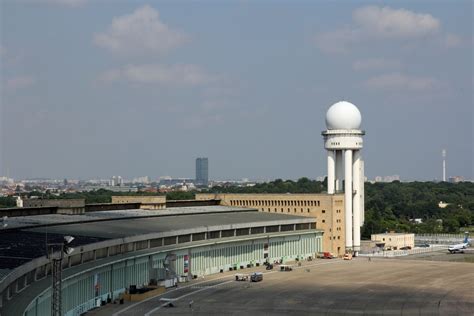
point(56, 253)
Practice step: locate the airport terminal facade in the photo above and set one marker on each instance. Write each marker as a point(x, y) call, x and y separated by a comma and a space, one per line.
point(328, 209)
point(136, 250)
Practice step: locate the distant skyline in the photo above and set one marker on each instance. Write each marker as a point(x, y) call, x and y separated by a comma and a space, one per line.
point(91, 89)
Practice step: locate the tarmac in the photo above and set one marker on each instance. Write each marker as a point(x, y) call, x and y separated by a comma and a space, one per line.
point(377, 286)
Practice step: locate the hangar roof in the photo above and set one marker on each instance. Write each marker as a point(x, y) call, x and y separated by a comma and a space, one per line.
point(28, 240)
point(119, 228)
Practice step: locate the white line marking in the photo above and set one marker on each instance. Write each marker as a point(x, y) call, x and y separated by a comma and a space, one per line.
point(183, 296)
point(216, 279)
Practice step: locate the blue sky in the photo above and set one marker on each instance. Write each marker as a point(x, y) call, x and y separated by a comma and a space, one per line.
point(102, 88)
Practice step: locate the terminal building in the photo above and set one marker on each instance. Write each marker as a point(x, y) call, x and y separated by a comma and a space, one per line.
point(116, 250)
point(326, 209)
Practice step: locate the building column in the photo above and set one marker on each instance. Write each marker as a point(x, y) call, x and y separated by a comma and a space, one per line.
point(339, 170)
point(356, 200)
point(362, 192)
point(331, 172)
point(348, 198)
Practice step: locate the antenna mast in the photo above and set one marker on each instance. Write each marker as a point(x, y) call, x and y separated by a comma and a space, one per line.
point(443, 153)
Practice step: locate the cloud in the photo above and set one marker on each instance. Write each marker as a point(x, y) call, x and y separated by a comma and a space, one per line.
point(400, 82)
point(372, 23)
point(394, 23)
point(139, 33)
point(375, 64)
point(19, 82)
point(181, 74)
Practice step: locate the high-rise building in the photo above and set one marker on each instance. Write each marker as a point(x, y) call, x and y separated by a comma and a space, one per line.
point(202, 171)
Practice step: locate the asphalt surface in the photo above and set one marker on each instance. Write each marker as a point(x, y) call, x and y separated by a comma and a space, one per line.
point(443, 255)
point(327, 287)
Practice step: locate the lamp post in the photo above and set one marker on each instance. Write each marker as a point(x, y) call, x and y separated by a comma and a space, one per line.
point(56, 253)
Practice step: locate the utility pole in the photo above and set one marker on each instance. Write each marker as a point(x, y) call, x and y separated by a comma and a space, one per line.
point(56, 303)
point(56, 253)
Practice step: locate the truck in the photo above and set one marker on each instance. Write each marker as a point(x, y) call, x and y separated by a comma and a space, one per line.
point(328, 255)
point(241, 277)
point(347, 256)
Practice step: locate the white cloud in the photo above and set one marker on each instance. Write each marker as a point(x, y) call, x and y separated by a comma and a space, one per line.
point(374, 23)
point(400, 82)
point(19, 82)
point(139, 33)
point(180, 74)
point(375, 64)
point(394, 23)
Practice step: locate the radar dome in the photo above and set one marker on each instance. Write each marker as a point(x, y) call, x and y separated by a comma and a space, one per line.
point(343, 115)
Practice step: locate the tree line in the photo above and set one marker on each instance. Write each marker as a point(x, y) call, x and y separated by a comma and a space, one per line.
point(388, 206)
point(393, 206)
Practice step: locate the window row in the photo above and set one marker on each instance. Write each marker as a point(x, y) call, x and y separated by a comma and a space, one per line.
point(273, 203)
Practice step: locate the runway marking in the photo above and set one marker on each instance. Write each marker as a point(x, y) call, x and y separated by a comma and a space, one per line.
point(183, 296)
point(216, 279)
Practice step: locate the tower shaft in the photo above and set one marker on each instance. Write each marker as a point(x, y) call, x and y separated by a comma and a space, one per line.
point(331, 171)
point(348, 197)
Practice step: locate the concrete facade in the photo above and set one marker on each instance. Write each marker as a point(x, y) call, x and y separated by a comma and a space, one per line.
point(395, 241)
point(65, 206)
point(327, 209)
point(146, 202)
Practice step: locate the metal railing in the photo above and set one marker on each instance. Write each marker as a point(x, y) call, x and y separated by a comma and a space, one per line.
point(398, 253)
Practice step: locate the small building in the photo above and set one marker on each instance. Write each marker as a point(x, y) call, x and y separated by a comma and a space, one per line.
point(395, 241)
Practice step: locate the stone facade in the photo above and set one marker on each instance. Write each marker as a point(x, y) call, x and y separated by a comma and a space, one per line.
point(327, 209)
point(65, 206)
point(146, 202)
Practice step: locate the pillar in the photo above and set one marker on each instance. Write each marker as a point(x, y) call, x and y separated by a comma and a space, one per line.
point(362, 192)
point(339, 170)
point(348, 197)
point(331, 172)
point(356, 200)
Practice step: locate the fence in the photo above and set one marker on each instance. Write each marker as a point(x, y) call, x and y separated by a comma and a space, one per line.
point(445, 239)
point(398, 253)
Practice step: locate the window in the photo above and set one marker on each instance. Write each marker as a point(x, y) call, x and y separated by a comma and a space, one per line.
point(324, 211)
point(324, 221)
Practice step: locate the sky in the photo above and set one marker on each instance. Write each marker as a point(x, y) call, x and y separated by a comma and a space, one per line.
point(92, 89)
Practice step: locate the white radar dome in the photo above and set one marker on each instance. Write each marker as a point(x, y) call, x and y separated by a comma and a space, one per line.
point(343, 115)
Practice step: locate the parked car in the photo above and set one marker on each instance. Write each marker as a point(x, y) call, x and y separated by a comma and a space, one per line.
point(347, 256)
point(256, 277)
point(328, 255)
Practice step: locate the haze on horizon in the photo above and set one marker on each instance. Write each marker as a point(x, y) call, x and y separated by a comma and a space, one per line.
point(98, 88)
